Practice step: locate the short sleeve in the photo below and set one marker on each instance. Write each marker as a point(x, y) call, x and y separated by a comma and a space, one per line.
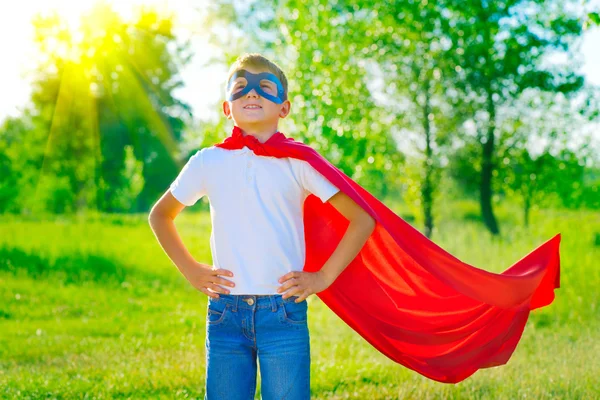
point(190, 184)
point(315, 183)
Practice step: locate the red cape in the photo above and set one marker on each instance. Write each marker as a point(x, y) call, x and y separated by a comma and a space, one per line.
point(408, 297)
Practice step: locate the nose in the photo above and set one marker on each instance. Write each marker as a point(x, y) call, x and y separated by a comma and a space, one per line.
point(253, 91)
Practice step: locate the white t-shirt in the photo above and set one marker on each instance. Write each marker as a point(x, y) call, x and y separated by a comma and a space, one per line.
point(256, 208)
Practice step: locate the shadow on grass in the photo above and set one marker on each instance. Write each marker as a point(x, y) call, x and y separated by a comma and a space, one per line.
point(75, 268)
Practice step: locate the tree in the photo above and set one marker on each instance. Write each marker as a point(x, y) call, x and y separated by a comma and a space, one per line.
point(418, 85)
point(99, 91)
point(499, 48)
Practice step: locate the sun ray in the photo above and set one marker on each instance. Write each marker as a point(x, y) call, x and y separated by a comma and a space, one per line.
point(57, 112)
point(165, 133)
point(79, 46)
point(92, 116)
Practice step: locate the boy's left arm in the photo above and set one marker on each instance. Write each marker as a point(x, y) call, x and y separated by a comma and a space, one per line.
point(361, 226)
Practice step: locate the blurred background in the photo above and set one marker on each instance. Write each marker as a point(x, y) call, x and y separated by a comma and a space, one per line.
point(476, 121)
point(103, 102)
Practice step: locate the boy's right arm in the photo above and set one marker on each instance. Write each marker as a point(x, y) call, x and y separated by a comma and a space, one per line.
point(201, 276)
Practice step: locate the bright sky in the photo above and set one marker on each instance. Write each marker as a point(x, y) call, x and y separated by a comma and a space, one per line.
point(202, 86)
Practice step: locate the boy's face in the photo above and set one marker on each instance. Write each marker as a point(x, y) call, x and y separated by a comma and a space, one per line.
point(252, 110)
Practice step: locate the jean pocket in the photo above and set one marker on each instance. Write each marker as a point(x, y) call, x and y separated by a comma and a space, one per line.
point(295, 313)
point(216, 312)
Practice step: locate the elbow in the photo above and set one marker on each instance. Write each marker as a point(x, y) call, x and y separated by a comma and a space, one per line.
point(151, 219)
point(153, 216)
point(367, 222)
point(371, 223)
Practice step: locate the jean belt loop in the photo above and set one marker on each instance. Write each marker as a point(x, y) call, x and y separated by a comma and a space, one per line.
point(273, 303)
point(236, 299)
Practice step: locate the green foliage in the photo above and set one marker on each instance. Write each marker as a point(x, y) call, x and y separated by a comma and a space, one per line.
point(397, 94)
point(101, 99)
point(499, 48)
point(592, 20)
point(439, 77)
point(133, 182)
point(8, 184)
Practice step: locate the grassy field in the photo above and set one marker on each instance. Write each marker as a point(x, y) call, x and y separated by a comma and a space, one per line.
point(91, 307)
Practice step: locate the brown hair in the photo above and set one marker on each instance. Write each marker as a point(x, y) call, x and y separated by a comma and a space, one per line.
point(257, 61)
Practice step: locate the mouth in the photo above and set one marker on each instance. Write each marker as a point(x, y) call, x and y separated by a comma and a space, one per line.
point(252, 107)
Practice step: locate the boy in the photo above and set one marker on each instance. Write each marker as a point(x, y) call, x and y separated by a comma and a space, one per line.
point(257, 242)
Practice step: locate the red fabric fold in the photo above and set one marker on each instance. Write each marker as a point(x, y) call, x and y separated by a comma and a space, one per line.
point(409, 298)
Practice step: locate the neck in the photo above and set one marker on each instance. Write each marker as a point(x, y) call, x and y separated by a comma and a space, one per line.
point(262, 134)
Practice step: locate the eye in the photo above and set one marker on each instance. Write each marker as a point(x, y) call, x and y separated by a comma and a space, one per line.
point(267, 86)
point(237, 87)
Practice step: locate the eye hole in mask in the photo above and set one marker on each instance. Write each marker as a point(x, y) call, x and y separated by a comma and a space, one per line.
point(265, 84)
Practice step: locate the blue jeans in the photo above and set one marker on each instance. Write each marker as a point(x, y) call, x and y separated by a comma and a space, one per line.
point(241, 327)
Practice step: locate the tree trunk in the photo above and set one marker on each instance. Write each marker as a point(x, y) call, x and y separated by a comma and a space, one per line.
point(427, 188)
point(487, 168)
point(527, 206)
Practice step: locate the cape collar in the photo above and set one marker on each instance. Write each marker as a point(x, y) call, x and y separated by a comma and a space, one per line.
point(237, 141)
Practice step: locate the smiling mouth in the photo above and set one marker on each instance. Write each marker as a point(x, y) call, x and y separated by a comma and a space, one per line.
point(252, 107)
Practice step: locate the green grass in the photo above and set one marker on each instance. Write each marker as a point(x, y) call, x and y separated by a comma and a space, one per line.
point(91, 307)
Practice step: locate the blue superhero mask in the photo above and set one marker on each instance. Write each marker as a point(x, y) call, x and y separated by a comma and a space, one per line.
point(266, 84)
